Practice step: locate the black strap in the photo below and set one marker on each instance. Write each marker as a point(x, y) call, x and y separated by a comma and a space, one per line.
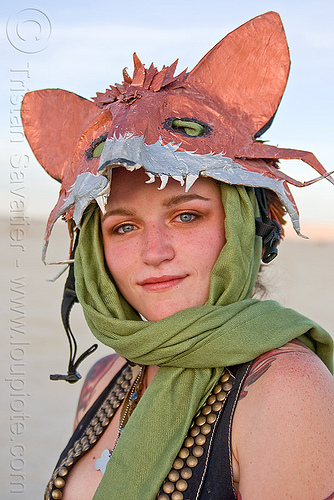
point(91, 412)
point(69, 299)
point(269, 229)
point(218, 480)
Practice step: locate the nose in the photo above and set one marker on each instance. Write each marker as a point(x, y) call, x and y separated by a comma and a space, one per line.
point(157, 246)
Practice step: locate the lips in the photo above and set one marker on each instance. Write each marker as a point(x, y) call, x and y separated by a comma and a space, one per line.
point(161, 282)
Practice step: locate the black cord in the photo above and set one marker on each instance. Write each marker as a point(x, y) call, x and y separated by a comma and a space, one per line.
point(69, 299)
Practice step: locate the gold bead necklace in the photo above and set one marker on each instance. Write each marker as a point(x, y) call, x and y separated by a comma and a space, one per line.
point(130, 402)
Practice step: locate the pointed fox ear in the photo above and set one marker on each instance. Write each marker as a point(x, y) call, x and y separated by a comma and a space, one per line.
point(53, 122)
point(247, 71)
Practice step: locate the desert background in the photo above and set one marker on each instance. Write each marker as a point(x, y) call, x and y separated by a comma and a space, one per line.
point(51, 44)
point(34, 343)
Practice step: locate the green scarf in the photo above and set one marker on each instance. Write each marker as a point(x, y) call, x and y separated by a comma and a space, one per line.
point(191, 347)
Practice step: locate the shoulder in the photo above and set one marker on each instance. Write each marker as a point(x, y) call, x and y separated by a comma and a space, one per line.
point(283, 427)
point(95, 382)
point(293, 366)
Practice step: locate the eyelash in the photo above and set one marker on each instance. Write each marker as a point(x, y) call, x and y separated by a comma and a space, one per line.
point(193, 216)
point(118, 229)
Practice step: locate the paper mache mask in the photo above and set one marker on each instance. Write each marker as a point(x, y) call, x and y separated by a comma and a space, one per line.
point(206, 122)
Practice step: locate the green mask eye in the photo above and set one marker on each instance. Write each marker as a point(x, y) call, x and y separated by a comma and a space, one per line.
point(190, 128)
point(97, 150)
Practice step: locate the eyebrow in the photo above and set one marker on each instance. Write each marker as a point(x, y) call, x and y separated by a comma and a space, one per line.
point(119, 211)
point(181, 198)
point(169, 202)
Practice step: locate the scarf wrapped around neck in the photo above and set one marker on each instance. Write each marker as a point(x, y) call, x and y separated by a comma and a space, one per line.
point(191, 347)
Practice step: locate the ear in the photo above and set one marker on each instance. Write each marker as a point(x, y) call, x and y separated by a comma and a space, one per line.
point(247, 71)
point(53, 122)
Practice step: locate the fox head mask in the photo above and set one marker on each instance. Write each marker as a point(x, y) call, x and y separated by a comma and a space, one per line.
point(206, 122)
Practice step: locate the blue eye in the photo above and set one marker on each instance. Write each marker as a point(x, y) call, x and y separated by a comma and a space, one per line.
point(126, 228)
point(186, 217)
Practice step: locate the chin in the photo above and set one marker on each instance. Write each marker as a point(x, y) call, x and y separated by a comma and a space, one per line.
point(156, 313)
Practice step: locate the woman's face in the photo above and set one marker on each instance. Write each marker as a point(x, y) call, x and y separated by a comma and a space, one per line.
point(160, 246)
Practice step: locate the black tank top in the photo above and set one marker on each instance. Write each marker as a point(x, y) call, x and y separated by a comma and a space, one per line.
point(203, 468)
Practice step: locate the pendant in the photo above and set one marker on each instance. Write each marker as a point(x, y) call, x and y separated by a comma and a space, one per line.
point(101, 463)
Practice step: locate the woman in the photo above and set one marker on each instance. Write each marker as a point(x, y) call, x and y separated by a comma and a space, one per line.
point(212, 394)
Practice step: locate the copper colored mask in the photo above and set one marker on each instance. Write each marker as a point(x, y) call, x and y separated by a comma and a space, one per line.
point(206, 122)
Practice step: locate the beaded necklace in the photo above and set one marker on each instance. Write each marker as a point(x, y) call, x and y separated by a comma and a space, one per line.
point(130, 402)
point(176, 483)
point(90, 435)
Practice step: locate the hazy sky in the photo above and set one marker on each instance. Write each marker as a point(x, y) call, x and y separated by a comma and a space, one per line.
point(83, 46)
